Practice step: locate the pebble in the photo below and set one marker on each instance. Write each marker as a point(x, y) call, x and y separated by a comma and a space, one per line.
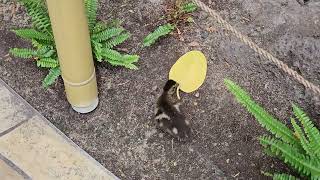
point(228, 160)
point(197, 94)
point(154, 88)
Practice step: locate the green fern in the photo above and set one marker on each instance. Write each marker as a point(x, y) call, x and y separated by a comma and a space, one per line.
point(299, 149)
point(155, 35)
point(107, 34)
point(101, 26)
point(264, 118)
point(32, 34)
point(117, 59)
point(303, 164)
point(39, 15)
point(189, 7)
point(117, 40)
point(54, 73)
point(283, 176)
point(91, 10)
point(300, 134)
point(312, 132)
point(23, 52)
point(103, 36)
point(47, 63)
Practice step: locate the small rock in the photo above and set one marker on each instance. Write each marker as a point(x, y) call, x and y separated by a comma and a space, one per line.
point(227, 161)
point(195, 103)
point(194, 44)
point(204, 34)
point(197, 94)
point(174, 163)
point(240, 154)
point(154, 88)
point(190, 149)
point(6, 18)
point(211, 29)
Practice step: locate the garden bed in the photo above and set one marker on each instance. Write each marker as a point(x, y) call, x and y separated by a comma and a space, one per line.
point(120, 133)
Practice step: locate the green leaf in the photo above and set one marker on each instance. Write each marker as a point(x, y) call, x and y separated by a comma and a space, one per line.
point(117, 59)
point(91, 9)
point(23, 52)
point(303, 140)
point(101, 26)
point(47, 63)
point(107, 34)
point(117, 40)
point(189, 7)
point(53, 75)
point(282, 176)
point(263, 117)
point(155, 35)
point(290, 155)
point(33, 34)
point(39, 15)
point(312, 132)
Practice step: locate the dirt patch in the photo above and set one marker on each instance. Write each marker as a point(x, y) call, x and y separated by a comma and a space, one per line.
point(120, 133)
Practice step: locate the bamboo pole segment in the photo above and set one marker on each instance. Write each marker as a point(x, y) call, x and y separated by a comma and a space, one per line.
point(72, 38)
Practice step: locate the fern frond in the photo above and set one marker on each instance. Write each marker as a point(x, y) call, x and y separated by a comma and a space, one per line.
point(312, 132)
point(39, 15)
point(54, 73)
point(31, 34)
point(303, 164)
point(37, 44)
point(91, 10)
point(45, 52)
point(23, 52)
point(98, 27)
point(47, 63)
point(97, 50)
point(301, 136)
point(117, 40)
point(116, 59)
point(263, 117)
point(107, 34)
point(101, 26)
point(112, 54)
point(189, 7)
point(283, 176)
point(155, 35)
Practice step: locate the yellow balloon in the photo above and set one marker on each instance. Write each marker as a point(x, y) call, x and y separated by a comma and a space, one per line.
point(189, 71)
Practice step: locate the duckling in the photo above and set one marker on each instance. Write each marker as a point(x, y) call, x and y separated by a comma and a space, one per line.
point(168, 115)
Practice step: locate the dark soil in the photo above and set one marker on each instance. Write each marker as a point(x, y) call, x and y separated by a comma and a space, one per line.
point(120, 133)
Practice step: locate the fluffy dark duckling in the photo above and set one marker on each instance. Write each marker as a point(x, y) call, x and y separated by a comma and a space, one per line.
point(168, 115)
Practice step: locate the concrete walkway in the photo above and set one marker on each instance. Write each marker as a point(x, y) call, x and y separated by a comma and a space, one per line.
point(32, 148)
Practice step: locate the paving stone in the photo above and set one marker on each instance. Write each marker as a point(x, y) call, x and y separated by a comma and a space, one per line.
point(32, 148)
point(12, 110)
point(40, 150)
point(8, 173)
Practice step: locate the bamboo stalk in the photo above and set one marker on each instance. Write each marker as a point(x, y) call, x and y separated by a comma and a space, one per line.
point(72, 38)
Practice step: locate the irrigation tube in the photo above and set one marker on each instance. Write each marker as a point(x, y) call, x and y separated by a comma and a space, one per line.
point(72, 38)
